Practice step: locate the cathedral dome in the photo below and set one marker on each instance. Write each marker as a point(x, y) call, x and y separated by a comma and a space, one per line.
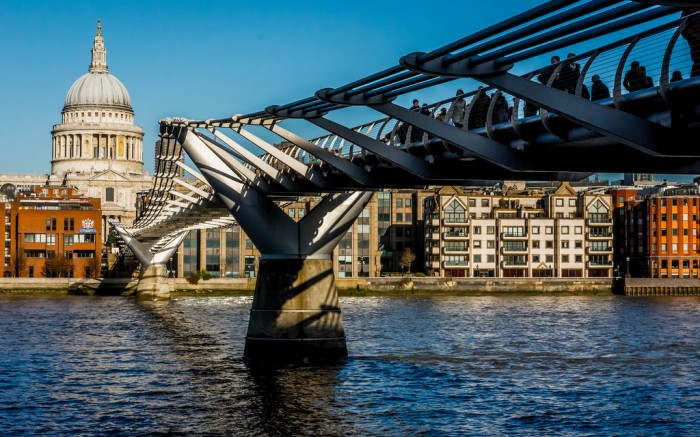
point(98, 88)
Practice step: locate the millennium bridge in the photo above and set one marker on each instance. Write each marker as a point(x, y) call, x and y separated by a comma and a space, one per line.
point(551, 123)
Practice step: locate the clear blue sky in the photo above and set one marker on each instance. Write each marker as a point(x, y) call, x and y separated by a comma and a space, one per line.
point(207, 59)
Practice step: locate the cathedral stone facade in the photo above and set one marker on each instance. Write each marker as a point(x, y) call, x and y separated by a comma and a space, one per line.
point(96, 148)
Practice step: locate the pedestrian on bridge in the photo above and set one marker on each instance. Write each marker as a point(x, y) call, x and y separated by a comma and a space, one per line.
point(457, 109)
point(635, 78)
point(599, 90)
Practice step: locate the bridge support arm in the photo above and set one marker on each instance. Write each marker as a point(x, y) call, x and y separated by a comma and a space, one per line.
point(295, 315)
point(153, 277)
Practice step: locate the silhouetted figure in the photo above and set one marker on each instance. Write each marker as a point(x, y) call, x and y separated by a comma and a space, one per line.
point(635, 78)
point(569, 74)
point(546, 74)
point(691, 33)
point(441, 115)
point(599, 90)
point(676, 76)
point(477, 115)
point(456, 112)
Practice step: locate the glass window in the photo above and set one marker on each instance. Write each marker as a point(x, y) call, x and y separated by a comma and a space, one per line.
point(564, 229)
point(399, 203)
point(559, 202)
point(485, 202)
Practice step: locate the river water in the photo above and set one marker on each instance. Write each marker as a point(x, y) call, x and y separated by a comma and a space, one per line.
point(506, 365)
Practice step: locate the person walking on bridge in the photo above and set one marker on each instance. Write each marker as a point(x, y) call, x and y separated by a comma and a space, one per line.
point(599, 90)
point(456, 112)
point(635, 78)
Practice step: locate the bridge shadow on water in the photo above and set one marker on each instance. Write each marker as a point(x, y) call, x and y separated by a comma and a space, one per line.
point(227, 395)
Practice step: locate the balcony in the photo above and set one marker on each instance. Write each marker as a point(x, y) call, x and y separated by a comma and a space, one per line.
point(456, 250)
point(513, 264)
point(514, 235)
point(456, 263)
point(434, 250)
point(455, 235)
point(434, 264)
point(435, 222)
point(599, 249)
point(599, 236)
point(512, 250)
point(599, 221)
point(455, 221)
point(599, 264)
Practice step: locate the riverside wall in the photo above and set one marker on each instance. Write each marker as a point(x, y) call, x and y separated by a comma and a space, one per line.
point(383, 285)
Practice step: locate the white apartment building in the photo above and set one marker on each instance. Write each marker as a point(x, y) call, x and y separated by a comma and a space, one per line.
point(518, 233)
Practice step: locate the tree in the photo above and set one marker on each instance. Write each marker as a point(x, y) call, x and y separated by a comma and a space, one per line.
point(407, 258)
point(58, 266)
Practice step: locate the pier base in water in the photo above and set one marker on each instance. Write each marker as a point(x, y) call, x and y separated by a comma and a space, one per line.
point(295, 316)
point(153, 283)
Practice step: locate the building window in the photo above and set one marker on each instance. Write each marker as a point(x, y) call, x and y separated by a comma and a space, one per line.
point(535, 229)
point(535, 258)
point(477, 243)
point(535, 244)
point(477, 229)
point(472, 203)
point(407, 202)
point(578, 230)
point(399, 217)
point(564, 229)
point(302, 212)
point(565, 244)
point(109, 195)
point(490, 244)
point(559, 202)
point(291, 212)
point(548, 230)
point(399, 203)
point(490, 230)
point(485, 203)
point(477, 258)
point(565, 258)
point(549, 244)
point(68, 224)
point(578, 244)
point(50, 224)
point(572, 202)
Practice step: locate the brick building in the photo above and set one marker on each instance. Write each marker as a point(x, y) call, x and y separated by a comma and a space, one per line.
point(656, 231)
point(51, 231)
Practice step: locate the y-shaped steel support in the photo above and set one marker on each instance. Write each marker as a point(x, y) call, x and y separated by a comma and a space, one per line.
point(153, 283)
point(295, 316)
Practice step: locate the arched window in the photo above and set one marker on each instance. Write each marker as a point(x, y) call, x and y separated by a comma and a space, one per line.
point(109, 195)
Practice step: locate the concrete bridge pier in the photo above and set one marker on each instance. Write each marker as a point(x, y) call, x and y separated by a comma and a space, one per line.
point(153, 278)
point(295, 316)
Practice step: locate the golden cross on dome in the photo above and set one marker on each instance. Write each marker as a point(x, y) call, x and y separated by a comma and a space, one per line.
point(99, 27)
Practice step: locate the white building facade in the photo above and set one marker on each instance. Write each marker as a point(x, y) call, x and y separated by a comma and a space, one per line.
point(519, 233)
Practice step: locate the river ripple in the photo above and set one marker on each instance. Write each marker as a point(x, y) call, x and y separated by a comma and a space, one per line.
point(506, 365)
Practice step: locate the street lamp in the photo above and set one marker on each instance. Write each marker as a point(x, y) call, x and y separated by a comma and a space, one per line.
point(627, 267)
point(476, 271)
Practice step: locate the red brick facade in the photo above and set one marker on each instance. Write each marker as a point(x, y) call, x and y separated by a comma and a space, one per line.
point(52, 232)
